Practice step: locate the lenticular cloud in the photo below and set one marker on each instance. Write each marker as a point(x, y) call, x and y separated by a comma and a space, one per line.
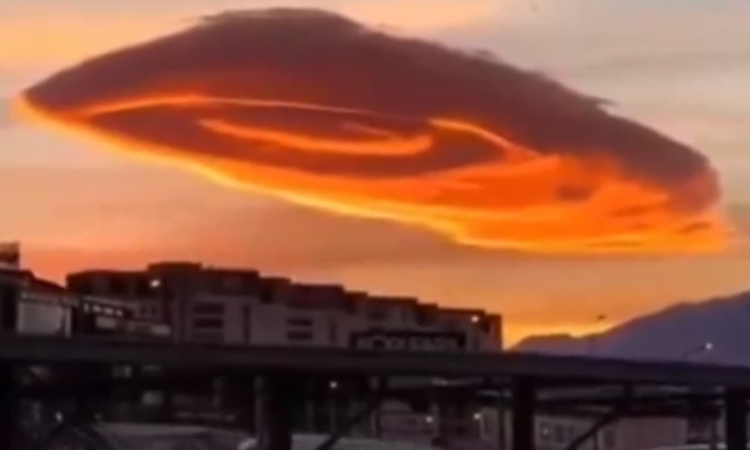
point(316, 109)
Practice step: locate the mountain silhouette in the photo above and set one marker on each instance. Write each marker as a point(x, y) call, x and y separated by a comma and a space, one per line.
point(714, 331)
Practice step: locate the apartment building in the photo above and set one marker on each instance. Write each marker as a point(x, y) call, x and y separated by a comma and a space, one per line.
point(32, 305)
point(558, 432)
point(243, 307)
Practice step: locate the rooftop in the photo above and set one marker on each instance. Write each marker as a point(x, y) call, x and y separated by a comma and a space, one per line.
point(157, 278)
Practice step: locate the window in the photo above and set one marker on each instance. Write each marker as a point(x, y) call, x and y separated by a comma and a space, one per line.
point(208, 308)
point(81, 285)
point(378, 314)
point(449, 322)
point(207, 337)
point(608, 438)
point(425, 316)
point(145, 310)
point(299, 335)
point(545, 432)
point(299, 322)
point(267, 292)
point(122, 371)
point(142, 287)
point(559, 434)
point(572, 434)
point(333, 332)
point(488, 326)
point(698, 429)
point(231, 283)
point(247, 322)
point(208, 322)
point(118, 286)
point(151, 369)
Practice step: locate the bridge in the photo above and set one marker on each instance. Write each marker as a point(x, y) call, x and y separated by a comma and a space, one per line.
point(524, 384)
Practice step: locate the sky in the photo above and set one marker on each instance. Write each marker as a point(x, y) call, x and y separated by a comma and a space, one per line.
point(680, 66)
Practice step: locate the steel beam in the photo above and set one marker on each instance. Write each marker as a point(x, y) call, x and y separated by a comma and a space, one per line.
point(350, 423)
point(9, 423)
point(371, 363)
point(275, 412)
point(735, 418)
point(617, 412)
point(522, 419)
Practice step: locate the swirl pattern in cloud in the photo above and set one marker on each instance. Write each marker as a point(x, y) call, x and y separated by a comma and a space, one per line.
point(311, 107)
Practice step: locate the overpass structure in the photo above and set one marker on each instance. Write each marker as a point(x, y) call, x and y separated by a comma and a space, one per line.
point(523, 383)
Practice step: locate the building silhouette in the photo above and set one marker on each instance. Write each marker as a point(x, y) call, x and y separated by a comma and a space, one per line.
point(243, 307)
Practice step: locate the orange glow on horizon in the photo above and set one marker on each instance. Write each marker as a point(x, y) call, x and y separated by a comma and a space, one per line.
point(470, 176)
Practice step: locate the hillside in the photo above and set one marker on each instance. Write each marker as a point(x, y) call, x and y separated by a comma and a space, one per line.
point(677, 333)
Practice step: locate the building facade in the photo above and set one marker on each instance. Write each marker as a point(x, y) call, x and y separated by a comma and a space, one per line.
point(31, 305)
point(558, 432)
point(242, 307)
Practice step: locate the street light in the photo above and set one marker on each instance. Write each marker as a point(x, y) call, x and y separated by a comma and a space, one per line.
point(705, 347)
point(699, 349)
point(333, 415)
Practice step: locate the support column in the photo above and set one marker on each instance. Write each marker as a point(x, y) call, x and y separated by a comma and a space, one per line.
point(735, 419)
point(242, 400)
point(502, 426)
point(522, 420)
point(8, 407)
point(275, 412)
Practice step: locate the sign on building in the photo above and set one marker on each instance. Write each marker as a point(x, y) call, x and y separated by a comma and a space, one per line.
point(415, 341)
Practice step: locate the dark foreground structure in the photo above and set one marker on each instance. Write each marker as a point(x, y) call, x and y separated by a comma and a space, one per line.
point(273, 379)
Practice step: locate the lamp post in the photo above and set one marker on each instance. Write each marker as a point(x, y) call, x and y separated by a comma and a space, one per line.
point(333, 405)
point(705, 347)
point(700, 349)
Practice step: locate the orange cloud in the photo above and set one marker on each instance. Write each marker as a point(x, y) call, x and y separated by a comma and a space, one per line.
point(311, 107)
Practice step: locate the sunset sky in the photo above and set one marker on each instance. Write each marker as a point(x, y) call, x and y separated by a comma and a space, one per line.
point(680, 66)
